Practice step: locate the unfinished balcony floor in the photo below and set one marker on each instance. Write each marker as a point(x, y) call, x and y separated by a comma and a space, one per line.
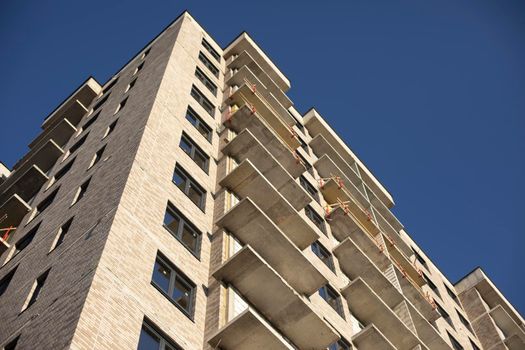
point(276, 300)
point(14, 209)
point(248, 182)
point(371, 338)
point(252, 227)
point(248, 331)
point(61, 133)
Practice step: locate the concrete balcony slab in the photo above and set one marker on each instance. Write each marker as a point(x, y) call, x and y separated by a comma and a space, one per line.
point(248, 331)
point(405, 264)
point(26, 185)
point(368, 307)
point(371, 338)
point(44, 157)
point(60, 133)
point(13, 211)
point(248, 182)
point(426, 332)
point(252, 227)
point(507, 323)
point(283, 151)
point(269, 293)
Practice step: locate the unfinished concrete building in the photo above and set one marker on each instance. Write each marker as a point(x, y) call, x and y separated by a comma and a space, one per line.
point(186, 204)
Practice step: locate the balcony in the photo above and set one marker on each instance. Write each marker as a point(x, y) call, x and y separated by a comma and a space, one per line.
point(317, 127)
point(417, 297)
point(515, 335)
point(243, 43)
point(276, 300)
point(246, 146)
point(252, 227)
point(25, 185)
point(368, 307)
point(281, 148)
point(334, 193)
point(74, 107)
point(404, 264)
point(280, 121)
point(272, 93)
point(248, 331)
point(44, 158)
point(12, 211)
point(371, 338)
point(246, 181)
point(60, 133)
point(426, 331)
point(394, 234)
point(355, 263)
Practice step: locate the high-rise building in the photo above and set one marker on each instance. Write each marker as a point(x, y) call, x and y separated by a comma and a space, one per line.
point(186, 204)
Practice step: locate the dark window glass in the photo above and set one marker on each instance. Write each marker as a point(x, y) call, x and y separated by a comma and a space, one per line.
point(431, 285)
point(309, 188)
point(132, 84)
point(101, 101)
point(82, 191)
point(191, 188)
point(324, 255)
point(111, 127)
point(26, 240)
point(444, 314)
point(122, 105)
point(419, 258)
point(46, 202)
point(211, 50)
point(206, 81)
point(194, 151)
point(332, 298)
point(315, 218)
point(182, 229)
point(38, 288)
point(452, 294)
point(63, 230)
point(198, 123)
point(153, 339)
point(146, 53)
point(90, 121)
point(203, 101)
point(98, 156)
point(139, 68)
point(474, 346)
point(455, 344)
point(78, 144)
point(304, 146)
point(307, 165)
point(4, 282)
point(63, 171)
point(12, 344)
point(341, 344)
point(465, 322)
point(110, 85)
point(214, 70)
point(174, 284)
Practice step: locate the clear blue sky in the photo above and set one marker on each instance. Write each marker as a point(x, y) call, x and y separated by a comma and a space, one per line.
point(430, 94)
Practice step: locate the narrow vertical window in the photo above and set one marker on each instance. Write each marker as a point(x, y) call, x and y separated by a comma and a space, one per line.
point(26, 240)
point(90, 121)
point(332, 298)
point(139, 68)
point(206, 81)
point(211, 50)
point(202, 100)
point(131, 85)
point(198, 123)
point(121, 105)
point(315, 218)
point(4, 282)
point(194, 152)
point(81, 192)
point(12, 344)
point(61, 234)
point(455, 344)
point(181, 228)
point(189, 187)
point(36, 290)
point(110, 129)
point(97, 157)
point(323, 254)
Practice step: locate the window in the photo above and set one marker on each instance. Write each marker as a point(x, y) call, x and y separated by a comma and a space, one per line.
point(4, 282)
point(174, 285)
point(206, 81)
point(455, 344)
point(131, 85)
point(36, 290)
point(194, 151)
point(307, 165)
point(465, 322)
point(90, 121)
point(110, 129)
point(152, 339)
point(431, 285)
point(97, 156)
point(315, 218)
point(309, 188)
point(341, 344)
point(145, 53)
point(101, 101)
point(190, 188)
point(199, 124)
point(332, 298)
point(12, 344)
point(62, 231)
point(182, 229)
point(121, 105)
point(203, 101)
point(110, 85)
point(26, 240)
point(139, 68)
point(419, 258)
point(473, 345)
point(63, 171)
point(297, 123)
point(324, 255)
point(304, 146)
point(78, 144)
point(45, 203)
point(452, 294)
point(444, 314)
point(81, 192)
point(211, 50)
point(214, 70)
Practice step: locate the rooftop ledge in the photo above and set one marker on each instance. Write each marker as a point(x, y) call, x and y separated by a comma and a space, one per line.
point(317, 125)
point(245, 43)
point(284, 308)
